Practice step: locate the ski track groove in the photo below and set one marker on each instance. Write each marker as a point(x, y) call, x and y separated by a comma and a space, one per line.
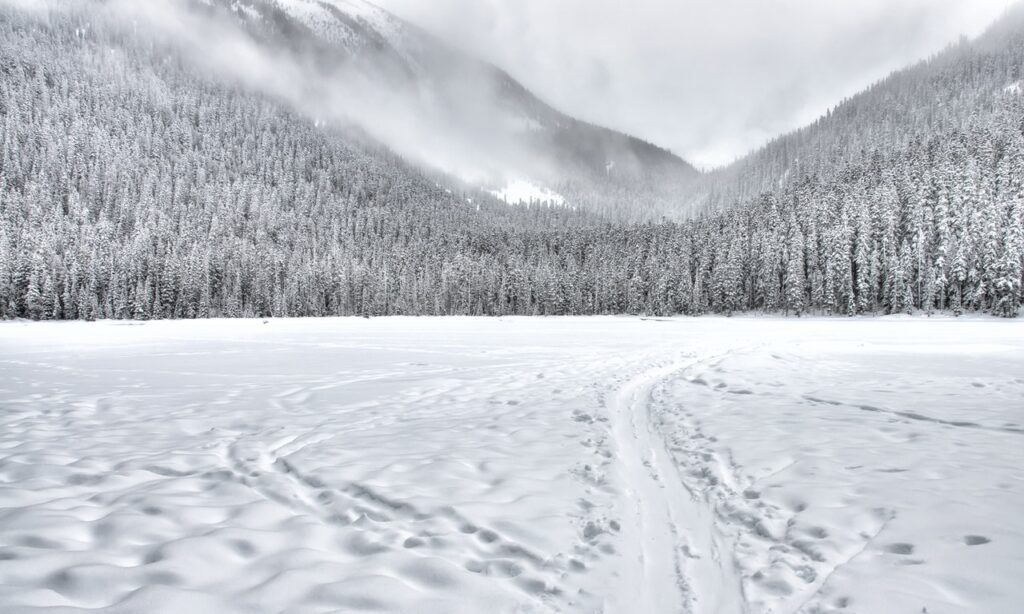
point(761, 562)
point(672, 578)
point(686, 530)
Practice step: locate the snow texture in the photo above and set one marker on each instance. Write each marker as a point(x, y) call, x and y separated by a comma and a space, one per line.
point(323, 18)
point(522, 192)
point(512, 465)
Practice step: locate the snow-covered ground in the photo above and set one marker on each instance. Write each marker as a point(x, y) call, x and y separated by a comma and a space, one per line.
point(513, 465)
point(522, 192)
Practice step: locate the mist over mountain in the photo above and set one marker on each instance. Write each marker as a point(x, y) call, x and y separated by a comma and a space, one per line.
point(350, 64)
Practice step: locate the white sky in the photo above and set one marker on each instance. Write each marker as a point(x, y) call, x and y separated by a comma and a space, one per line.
point(709, 79)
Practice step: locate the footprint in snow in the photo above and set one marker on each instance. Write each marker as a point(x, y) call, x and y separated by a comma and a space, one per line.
point(901, 549)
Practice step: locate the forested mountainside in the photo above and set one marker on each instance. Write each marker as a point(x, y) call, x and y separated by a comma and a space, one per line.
point(490, 126)
point(941, 95)
point(134, 186)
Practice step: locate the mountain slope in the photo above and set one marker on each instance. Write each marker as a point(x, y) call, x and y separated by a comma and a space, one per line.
point(942, 94)
point(467, 117)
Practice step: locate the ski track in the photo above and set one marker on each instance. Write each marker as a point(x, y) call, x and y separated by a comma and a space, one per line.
point(681, 563)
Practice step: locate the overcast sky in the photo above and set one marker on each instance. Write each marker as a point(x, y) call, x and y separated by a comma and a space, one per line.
point(709, 79)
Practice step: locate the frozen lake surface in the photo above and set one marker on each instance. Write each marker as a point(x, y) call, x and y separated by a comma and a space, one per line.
point(426, 465)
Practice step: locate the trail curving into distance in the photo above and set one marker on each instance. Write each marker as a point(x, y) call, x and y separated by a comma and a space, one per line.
point(676, 561)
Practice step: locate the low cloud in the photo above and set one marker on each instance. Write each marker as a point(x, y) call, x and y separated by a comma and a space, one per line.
point(710, 80)
point(447, 124)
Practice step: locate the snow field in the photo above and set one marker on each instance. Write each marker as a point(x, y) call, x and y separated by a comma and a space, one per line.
point(512, 465)
point(520, 192)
